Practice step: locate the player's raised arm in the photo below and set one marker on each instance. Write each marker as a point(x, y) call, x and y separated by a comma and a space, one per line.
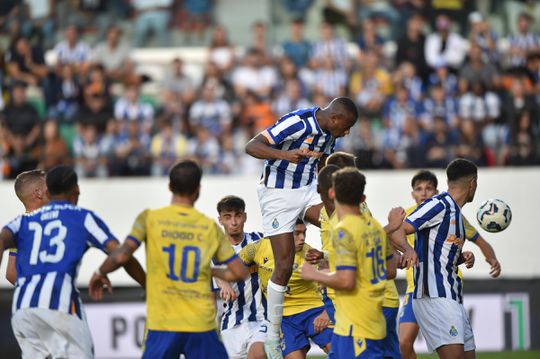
point(132, 265)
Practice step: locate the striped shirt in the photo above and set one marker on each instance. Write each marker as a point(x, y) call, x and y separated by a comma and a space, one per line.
point(440, 236)
point(51, 242)
point(248, 306)
point(68, 55)
point(298, 129)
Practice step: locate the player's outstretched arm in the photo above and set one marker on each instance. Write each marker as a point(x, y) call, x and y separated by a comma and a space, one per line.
point(261, 147)
point(226, 291)
point(132, 266)
point(235, 271)
point(343, 279)
point(399, 240)
point(489, 254)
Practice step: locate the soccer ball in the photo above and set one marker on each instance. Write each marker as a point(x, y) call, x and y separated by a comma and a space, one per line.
point(494, 215)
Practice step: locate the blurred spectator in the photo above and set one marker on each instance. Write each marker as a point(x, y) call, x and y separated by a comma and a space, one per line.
point(132, 151)
point(443, 77)
point(478, 70)
point(198, 16)
point(440, 144)
point(514, 8)
point(338, 12)
point(405, 75)
point(96, 83)
point(151, 16)
point(290, 99)
point(297, 48)
point(96, 112)
point(522, 152)
point(71, 50)
point(524, 42)
point(210, 112)
point(519, 111)
point(130, 108)
point(445, 46)
point(253, 74)
point(363, 145)
point(221, 52)
point(452, 9)
point(330, 79)
point(215, 78)
point(227, 160)
point(482, 35)
point(176, 82)
point(133, 75)
point(257, 114)
point(260, 41)
point(166, 148)
point(287, 71)
point(55, 151)
point(439, 105)
point(66, 90)
point(297, 8)
point(89, 156)
point(470, 144)
point(331, 46)
point(370, 85)
point(411, 44)
point(39, 19)
point(26, 63)
point(112, 53)
point(533, 73)
point(10, 16)
point(397, 109)
point(369, 41)
point(204, 147)
point(382, 10)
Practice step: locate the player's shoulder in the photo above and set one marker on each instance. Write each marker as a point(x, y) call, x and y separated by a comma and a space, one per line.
point(411, 209)
point(253, 236)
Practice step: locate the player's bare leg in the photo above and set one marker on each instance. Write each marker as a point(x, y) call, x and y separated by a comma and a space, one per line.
point(452, 351)
point(283, 249)
point(297, 354)
point(312, 215)
point(256, 351)
point(407, 335)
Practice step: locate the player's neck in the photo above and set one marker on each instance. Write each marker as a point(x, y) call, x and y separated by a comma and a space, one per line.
point(60, 198)
point(186, 201)
point(458, 195)
point(321, 115)
point(236, 239)
point(343, 210)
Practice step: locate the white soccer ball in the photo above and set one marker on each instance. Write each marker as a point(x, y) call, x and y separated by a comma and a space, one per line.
point(494, 215)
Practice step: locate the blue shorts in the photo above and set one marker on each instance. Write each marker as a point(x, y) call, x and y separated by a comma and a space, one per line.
point(169, 345)
point(407, 313)
point(391, 342)
point(355, 347)
point(297, 329)
point(329, 306)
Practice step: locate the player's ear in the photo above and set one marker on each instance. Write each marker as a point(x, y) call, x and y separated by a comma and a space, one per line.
point(331, 193)
point(363, 198)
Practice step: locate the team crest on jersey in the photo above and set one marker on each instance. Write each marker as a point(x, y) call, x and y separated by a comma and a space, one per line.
point(275, 223)
point(341, 234)
point(453, 331)
point(265, 259)
point(295, 267)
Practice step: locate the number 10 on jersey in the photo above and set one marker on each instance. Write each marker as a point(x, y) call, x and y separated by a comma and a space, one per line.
point(189, 254)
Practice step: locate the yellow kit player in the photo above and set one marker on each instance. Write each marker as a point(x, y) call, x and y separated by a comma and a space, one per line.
point(361, 249)
point(304, 316)
point(180, 245)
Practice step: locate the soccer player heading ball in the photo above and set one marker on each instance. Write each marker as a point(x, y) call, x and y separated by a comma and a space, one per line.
point(293, 148)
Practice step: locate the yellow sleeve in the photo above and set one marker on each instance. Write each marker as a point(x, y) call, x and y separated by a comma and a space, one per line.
point(249, 252)
point(138, 230)
point(471, 233)
point(13, 252)
point(225, 252)
point(345, 248)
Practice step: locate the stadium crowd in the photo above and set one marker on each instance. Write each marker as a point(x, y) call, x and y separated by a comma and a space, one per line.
point(449, 90)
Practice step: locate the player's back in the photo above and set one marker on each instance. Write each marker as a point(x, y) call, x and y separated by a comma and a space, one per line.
point(51, 242)
point(180, 245)
point(360, 244)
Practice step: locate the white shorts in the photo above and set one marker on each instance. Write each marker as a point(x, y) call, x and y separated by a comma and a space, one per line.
point(443, 321)
point(281, 207)
point(238, 340)
point(45, 333)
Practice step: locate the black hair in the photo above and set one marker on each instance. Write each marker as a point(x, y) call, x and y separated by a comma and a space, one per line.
point(26, 178)
point(341, 159)
point(299, 221)
point(231, 203)
point(61, 179)
point(460, 168)
point(185, 177)
point(324, 178)
point(349, 184)
point(347, 105)
point(424, 176)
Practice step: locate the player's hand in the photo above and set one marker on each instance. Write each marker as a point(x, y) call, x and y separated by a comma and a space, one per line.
point(97, 283)
point(296, 155)
point(401, 261)
point(495, 267)
point(409, 258)
point(395, 218)
point(468, 259)
point(307, 271)
point(227, 293)
point(313, 255)
point(321, 322)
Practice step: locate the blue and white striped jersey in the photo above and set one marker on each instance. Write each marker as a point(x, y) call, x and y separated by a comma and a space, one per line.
point(439, 239)
point(297, 129)
point(248, 306)
point(51, 242)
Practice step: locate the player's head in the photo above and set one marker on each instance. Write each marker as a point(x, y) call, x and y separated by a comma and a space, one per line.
point(348, 186)
point(299, 234)
point(341, 159)
point(63, 184)
point(463, 174)
point(232, 215)
point(185, 179)
point(31, 189)
point(343, 115)
point(324, 183)
point(424, 185)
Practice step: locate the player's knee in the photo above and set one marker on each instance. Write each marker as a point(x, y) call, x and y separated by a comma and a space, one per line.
point(282, 273)
point(406, 347)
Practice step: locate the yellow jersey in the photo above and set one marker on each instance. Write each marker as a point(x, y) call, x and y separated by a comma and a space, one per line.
point(301, 295)
point(360, 243)
point(180, 245)
point(471, 234)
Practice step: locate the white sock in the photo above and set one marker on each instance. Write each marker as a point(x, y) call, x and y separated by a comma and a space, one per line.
point(276, 295)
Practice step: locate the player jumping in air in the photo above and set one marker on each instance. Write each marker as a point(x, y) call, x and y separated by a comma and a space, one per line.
point(293, 149)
